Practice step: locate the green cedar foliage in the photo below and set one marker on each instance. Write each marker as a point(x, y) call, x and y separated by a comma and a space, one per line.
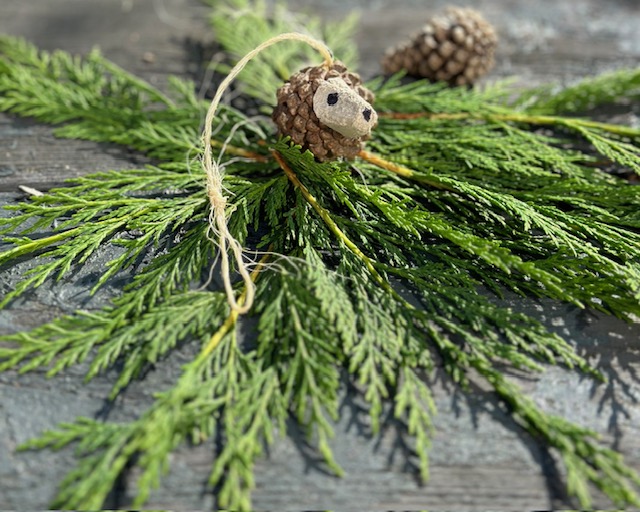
point(242, 25)
point(382, 273)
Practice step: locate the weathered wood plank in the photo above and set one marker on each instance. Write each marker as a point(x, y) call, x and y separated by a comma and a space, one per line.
point(480, 459)
point(31, 155)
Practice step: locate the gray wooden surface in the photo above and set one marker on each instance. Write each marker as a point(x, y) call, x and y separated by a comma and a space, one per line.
point(480, 459)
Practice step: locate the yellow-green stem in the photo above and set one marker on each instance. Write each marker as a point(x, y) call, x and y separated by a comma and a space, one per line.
point(331, 224)
point(398, 169)
point(36, 244)
point(541, 120)
point(231, 320)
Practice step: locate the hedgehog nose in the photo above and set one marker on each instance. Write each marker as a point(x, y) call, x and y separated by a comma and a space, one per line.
point(366, 113)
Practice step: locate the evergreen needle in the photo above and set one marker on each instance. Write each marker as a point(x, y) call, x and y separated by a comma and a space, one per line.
point(326, 217)
point(371, 274)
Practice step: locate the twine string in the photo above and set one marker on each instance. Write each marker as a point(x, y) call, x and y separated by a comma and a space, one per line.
point(217, 200)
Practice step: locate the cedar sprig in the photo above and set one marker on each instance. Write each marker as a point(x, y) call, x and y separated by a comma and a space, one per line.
point(375, 273)
point(620, 86)
point(257, 22)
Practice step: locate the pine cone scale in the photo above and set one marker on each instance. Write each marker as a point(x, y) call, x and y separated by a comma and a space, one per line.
point(457, 47)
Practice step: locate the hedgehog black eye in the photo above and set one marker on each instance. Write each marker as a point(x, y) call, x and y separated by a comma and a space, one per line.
point(366, 113)
point(332, 98)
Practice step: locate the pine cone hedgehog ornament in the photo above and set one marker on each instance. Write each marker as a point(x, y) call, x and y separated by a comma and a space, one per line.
point(456, 46)
point(326, 110)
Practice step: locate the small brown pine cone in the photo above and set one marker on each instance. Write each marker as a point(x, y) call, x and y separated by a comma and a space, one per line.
point(456, 46)
point(295, 116)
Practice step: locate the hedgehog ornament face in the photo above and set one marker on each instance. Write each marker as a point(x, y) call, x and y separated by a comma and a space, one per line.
point(341, 108)
point(326, 110)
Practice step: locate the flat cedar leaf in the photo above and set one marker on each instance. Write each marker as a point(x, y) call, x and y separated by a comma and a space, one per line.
point(372, 268)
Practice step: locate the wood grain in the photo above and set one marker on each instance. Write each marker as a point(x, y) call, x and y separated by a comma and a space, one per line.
point(480, 459)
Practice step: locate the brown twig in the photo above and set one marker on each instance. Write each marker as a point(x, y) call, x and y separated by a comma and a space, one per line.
point(236, 151)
